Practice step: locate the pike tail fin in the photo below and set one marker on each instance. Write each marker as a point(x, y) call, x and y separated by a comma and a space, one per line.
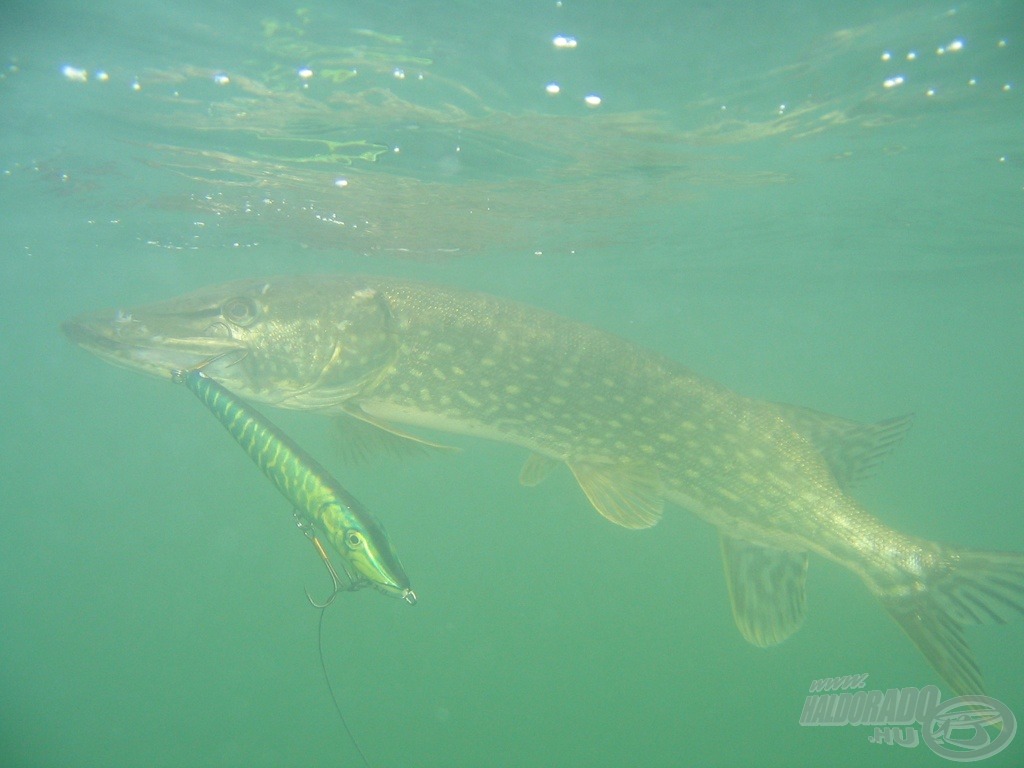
point(957, 588)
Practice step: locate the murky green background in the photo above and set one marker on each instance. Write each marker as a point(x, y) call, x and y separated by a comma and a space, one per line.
point(749, 197)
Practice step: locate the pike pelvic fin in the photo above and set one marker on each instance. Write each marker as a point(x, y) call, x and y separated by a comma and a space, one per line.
point(766, 588)
point(628, 498)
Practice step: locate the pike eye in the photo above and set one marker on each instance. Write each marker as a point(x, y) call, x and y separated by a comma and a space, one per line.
point(240, 311)
point(354, 539)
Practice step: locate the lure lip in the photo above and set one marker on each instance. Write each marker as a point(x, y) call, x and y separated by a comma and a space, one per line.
point(405, 593)
point(390, 589)
point(360, 580)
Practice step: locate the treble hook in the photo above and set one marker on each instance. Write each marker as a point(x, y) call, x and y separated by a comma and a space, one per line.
point(307, 529)
point(330, 569)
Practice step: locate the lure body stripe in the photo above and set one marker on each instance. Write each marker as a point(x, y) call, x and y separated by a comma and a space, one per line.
point(296, 474)
point(353, 531)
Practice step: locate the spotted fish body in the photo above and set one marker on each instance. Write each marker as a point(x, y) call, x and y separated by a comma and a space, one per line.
point(637, 431)
point(317, 497)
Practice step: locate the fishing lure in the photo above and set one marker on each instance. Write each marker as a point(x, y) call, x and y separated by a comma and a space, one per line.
point(319, 501)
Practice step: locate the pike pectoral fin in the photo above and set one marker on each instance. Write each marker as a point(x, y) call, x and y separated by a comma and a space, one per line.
point(767, 589)
point(536, 469)
point(629, 499)
point(363, 436)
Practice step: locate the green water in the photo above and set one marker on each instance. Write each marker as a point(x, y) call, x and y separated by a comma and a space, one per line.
point(748, 198)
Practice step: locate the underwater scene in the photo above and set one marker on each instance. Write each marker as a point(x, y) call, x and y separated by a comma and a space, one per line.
point(616, 384)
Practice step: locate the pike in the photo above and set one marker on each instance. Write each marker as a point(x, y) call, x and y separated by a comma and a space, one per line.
point(636, 430)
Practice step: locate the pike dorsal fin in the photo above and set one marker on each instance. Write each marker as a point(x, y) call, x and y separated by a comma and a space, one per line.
point(536, 469)
point(852, 450)
point(627, 498)
point(767, 590)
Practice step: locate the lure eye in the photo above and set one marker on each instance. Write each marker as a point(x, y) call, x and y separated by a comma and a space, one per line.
point(240, 311)
point(354, 539)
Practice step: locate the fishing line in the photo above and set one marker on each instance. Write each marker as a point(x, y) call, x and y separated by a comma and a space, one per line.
point(330, 688)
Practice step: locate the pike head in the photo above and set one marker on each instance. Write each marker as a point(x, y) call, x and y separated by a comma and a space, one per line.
point(301, 342)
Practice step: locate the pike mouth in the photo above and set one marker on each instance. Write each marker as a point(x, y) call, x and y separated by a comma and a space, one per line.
point(119, 338)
